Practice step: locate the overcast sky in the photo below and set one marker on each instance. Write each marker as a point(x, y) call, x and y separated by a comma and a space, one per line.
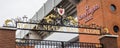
point(18, 8)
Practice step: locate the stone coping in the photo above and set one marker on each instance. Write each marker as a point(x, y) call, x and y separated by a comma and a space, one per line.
point(7, 28)
point(114, 36)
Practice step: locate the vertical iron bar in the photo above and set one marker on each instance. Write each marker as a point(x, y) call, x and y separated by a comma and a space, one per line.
point(62, 44)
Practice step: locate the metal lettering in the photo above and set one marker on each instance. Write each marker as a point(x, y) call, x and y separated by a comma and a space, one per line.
point(88, 12)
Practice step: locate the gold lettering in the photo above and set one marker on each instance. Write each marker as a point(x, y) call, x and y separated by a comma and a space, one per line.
point(45, 27)
point(91, 31)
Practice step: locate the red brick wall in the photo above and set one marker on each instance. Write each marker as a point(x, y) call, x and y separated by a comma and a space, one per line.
point(89, 38)
point(112, 18)
point(7, 38)
point(25, 47)
point(103, 16)
point(97, 14)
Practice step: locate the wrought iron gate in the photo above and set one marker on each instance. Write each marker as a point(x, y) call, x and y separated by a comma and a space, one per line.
point(34, 43)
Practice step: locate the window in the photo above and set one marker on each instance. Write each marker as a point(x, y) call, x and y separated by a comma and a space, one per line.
point(115, 28)
point(113, 7)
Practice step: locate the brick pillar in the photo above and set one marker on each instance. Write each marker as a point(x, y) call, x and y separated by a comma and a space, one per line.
point(109, 41)
point(7, 38)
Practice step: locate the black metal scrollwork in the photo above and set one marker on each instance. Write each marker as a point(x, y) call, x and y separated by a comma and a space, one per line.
point(60, 20)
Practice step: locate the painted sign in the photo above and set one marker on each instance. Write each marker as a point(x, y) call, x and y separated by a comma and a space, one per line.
point(89, 13)
point(89, 31)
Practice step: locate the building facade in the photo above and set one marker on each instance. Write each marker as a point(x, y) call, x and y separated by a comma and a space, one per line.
point(103, 13)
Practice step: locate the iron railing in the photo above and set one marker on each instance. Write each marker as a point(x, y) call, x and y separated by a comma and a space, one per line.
point(34, 43)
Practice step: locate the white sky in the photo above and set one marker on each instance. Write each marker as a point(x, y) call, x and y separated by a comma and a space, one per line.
point(18, 8)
